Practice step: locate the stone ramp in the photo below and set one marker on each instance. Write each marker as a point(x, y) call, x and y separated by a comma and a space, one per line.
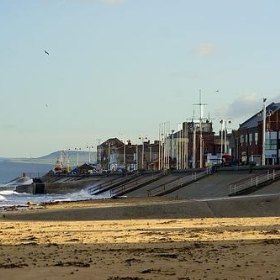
point(232, 207)
point(215, 185)
point(273, 188)
point(143, 192)
point(141, 182)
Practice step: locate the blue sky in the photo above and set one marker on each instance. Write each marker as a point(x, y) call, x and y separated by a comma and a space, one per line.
point(121, 68)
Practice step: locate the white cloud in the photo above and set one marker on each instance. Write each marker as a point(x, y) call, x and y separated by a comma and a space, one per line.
point(239, 110)
point(204, 49)
point(246, 105)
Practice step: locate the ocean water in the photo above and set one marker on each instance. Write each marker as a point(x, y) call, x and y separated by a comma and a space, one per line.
point(10, 172)
point(9, 197)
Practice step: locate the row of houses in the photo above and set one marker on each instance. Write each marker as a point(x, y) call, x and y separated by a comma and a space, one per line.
point(196, 145)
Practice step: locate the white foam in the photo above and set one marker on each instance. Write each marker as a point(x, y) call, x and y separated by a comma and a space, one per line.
point(3, 198)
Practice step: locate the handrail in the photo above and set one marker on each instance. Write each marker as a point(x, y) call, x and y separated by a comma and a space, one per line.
point(176, 184)
point(105, 186)
point(119, 190)
point(253, 181)
point(249, 177)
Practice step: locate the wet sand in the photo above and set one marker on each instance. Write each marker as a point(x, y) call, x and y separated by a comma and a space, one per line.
point(142, 239)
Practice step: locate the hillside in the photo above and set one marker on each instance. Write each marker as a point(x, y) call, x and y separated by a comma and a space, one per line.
point(81, 157)
point(10, 168)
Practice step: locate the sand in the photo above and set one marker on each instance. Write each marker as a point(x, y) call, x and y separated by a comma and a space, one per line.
point(173, 239)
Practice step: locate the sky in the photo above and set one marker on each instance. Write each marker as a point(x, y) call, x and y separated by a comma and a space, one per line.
point(122, 68)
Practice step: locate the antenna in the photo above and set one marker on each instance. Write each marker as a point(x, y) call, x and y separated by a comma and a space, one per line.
point(201, 105)
point(200, 131)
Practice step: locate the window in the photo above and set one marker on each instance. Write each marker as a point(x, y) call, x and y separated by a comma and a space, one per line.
point(250, 138)
point(271, 144)
point(241, 139)
point(256, 138)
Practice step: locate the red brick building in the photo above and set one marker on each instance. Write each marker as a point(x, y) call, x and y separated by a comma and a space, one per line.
point(250, 137)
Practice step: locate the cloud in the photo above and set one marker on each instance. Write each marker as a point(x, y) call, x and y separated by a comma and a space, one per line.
point(246, 105)
point(204, 49)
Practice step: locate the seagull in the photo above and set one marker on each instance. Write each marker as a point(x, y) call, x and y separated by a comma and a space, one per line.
point(47, 53)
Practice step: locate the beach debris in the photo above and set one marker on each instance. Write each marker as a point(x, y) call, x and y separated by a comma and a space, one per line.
point(13, 265)
point(78, 264)
point(10, 208)
point(31, 203)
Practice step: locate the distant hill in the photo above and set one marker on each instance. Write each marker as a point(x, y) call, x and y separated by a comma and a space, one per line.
point(74, 157)
point(10, 168)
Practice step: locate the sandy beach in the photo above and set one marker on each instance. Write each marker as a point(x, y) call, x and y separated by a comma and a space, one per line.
point(136, 239)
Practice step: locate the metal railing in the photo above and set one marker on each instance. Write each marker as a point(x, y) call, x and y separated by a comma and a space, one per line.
point(107, 184)
point(253, 181)
point(130, 186)
point(174, 185)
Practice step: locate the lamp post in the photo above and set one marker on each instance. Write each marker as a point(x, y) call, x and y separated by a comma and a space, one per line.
point(68, 162)
point(163, 150)
point(124, 156)
point(77, 158)
point(136, 157)
point(109, 154)
point(124, 153)
point(226, 146)
point(89, 147)
point(263, 128)
point(194, 147)
point(224, 137)
point(98, 153)
point(200, 130)
point(186, 146)
point(143, 150)
point(221, 122)
point(150, 149)
point(172, 143)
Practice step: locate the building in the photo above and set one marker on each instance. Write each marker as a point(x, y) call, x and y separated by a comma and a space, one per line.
point(191, 144)
point(114, 154)
point(259, 137)
point(186, 148)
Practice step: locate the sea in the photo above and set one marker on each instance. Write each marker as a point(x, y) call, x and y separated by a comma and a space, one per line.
point(10, 171)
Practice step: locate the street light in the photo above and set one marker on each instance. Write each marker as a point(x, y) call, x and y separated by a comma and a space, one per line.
point(77, 160)
point(89, 147)
point(68, 162)
point(124, 152)
point(224, 142)
point(226, 146)
point(124, 156)
point(194, 147)
point(264, 126)
point(143, 149)
point(150, 152)
point(98, 154)
point(109, 154)
point(221, 122)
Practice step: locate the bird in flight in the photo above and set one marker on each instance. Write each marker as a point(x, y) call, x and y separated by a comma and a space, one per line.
point(47, 53)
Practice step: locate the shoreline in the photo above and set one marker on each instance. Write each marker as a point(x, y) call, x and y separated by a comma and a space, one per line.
point(147, 208)
point(118, 239)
